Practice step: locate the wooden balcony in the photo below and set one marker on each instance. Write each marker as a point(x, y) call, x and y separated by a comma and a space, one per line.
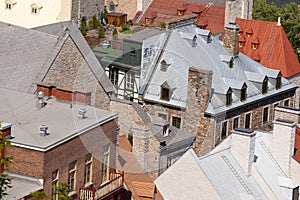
point(115, 183)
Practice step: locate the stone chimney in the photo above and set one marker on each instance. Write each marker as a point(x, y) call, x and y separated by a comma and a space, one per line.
point(231, 38)
point(282, 143)
point(243, 147)
point(198, 96)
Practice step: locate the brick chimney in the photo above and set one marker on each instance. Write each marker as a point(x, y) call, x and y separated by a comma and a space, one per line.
point(243, 147)
point(282, 143)
point(231, 38)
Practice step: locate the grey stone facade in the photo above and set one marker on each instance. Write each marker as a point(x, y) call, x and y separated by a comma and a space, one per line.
point(86, 8)
point(231, 37)
point(78, 76)
point(238, 9)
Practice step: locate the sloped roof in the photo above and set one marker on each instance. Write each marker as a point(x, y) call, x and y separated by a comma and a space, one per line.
point(274, 48)
point(166, 9)
point(70, 28)
point(183, 55)
point(224, 177)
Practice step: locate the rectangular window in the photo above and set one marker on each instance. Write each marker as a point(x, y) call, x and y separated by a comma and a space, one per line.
point(54, 183)
point(130, 80)
point(235, 123)
point(243, 94)
point(295, 193)
point(105, 164)
point(34, 10)
point(286, 102)
point(265, 86)
point(248, 120)
point(161, 115)
point(265, 114)
point(114, 75)
point(228, 98)
point(88, 168)
point(224, 130)
point(278, 82)
point(176, 121)
point(72, 175)
point(169, 161)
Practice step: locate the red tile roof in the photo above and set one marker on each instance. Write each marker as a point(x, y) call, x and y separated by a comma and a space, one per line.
point(167, 9)
point(274, 49)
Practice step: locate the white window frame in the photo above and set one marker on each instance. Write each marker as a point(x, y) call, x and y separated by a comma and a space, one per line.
point(130, 79)
point(88, 165)
point(268, 117)
point(162, 113)
point(276, 103)
point(239, 121)
point(54, 182)
point(250, 125)
point(222, 129)
point(177, 117)
point(72, 171)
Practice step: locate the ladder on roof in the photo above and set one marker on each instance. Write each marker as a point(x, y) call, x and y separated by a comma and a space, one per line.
point(273, 159)
point(239, 178)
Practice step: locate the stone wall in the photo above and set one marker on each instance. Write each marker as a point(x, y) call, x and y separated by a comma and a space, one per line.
point(124, 6)
point(231, 38)
point(296, 79)
point(88, 8)
point(70, 70)
point(238, 9)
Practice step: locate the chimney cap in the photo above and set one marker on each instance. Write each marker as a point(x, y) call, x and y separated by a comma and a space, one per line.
point(244, 131)
point(284, 121)
point(4, 126)
point(232, 26)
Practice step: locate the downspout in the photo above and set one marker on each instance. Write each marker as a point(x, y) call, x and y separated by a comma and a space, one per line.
point(215, 127)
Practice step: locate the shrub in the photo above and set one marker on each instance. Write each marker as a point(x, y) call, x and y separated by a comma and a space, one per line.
point(125, 27)
point(101, 33)
point(83, 26)
point(115, 34)
point(162, 25)
point(94, 22)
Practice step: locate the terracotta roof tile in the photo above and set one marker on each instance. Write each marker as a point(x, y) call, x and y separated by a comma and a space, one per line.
point(274, 47)
point(242, 38)
point(201, 22)
point(255, 56)
point(167, 9)
point(255, 40)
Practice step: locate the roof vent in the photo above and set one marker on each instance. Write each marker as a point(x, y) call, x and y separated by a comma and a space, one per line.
point(106, 44)
point(82, 113)
point(44, 130)
point(40, 102)
point(166, 130)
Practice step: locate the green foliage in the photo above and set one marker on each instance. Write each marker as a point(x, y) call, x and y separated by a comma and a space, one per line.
point(39, 195)
point(130, 138)
point(105, 14)
point(94, 22)
point(130, 22)
point(83, 26)
point(125, 27)
point(115, 34)
point(62, 190)
point(162, 25)
point(290, 19)
point(5, 181)
point(101, 33)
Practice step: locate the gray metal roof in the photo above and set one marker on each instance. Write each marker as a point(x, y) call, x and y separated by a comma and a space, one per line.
point(221, 169)
point(71, 28)
point(138, 37)
point(181, 55)
point(24, 55)
point(22, 186)
point(63, 122)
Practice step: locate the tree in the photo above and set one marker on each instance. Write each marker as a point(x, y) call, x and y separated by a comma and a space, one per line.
point(83, 26)
point(39, 195)
point(264, 11)
point(5, 161)
point(115, 34)
point(101, 33)
point(94, 22)
point(62, 190)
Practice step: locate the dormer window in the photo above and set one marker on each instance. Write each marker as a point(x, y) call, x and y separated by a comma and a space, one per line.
point(242, 41)
point(181, 9)
point(35, 8)
point(278, 81)
point(165, 93)
point(228, 59)
point(249, 32)
point(164, 65)
point(179, 12)
point(230, 63)
point(9, 4)
point(254, 46)
point(243, 93)
point(229, 97)
point(265, 85)
point(112, 6)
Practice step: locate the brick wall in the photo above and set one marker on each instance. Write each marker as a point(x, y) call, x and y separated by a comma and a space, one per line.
point(26, 161)
point(70, 70)
point(91, 142)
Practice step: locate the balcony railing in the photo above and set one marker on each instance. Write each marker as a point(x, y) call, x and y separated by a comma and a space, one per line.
point(115, 182)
